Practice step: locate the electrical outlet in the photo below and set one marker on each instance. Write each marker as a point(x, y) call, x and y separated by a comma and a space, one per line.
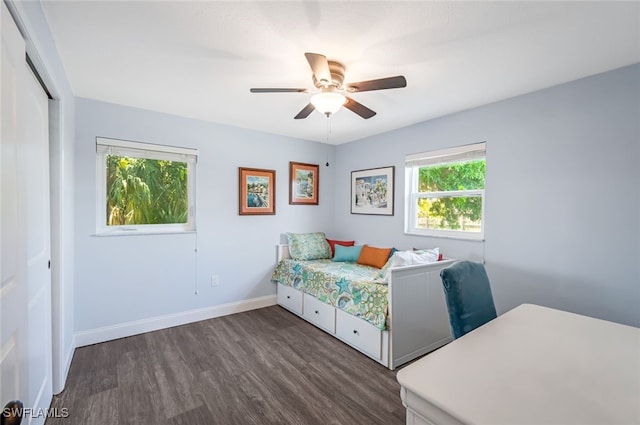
point(215, 280)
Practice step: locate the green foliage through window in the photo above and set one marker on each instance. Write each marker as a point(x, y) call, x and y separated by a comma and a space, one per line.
point(146, 191)
point(456, 176)
point(458, 209)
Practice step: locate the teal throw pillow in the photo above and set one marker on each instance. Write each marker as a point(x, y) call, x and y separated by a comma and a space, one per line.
point(347, 253)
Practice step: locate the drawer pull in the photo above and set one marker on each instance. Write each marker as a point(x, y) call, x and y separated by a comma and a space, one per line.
point(317, 312)
point(355, 331)
point(288, 297)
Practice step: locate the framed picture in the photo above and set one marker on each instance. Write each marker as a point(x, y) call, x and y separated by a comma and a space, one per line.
point(257, 189)
point(304, 181)
point(372, 191)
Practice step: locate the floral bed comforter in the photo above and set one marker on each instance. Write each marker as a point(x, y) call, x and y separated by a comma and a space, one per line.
point(358, 290)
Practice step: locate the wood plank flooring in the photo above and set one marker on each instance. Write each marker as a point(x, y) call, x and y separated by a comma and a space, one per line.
point(264, 366)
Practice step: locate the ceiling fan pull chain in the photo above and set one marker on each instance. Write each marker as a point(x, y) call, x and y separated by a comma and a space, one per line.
point(328, 132)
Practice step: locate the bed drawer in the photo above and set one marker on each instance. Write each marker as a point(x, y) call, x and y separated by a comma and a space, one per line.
point(290, 298)
point(319, 313)
point(360, 334)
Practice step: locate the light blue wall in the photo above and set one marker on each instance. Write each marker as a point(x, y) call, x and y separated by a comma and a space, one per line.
point(122, 279)
point(562, 193)
point(562, 205)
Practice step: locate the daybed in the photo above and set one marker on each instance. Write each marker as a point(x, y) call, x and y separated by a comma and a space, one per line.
point(393, 315)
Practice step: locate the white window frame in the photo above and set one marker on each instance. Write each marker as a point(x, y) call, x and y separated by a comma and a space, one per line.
point(413, 162)
point(105, 147)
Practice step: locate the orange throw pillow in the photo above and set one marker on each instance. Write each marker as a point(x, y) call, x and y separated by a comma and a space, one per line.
point(376, 257)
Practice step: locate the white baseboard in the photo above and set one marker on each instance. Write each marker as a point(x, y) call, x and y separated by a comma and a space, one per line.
point(70, 352)
point(66, 364)
point(108, 333)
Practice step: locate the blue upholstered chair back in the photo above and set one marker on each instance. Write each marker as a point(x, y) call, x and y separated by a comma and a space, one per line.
point(468, 294)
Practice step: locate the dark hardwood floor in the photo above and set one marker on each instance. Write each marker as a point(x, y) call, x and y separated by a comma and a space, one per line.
point(264, 366)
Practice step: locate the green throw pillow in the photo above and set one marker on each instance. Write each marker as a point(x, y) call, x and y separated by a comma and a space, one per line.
point(308, 246)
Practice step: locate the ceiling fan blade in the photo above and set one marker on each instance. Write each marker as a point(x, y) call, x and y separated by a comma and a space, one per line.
point(305, 112)
point(379, 84)
point(320, 67)
point(276, 90)
point(359, 108)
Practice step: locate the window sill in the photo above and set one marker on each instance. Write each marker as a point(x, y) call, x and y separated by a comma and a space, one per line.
point(135, 232)
point(468, 238)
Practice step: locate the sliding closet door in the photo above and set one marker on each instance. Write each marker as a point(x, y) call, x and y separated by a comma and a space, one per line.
point(25, 291)
point(34, 169)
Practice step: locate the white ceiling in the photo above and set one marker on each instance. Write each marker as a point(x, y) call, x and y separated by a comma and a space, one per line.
point(199, 59)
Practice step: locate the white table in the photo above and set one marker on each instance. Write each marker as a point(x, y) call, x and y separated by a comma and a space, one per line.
point(532, 365)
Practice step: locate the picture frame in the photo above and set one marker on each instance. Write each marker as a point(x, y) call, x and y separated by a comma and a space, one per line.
point(304, 183)
point(257, 191)
point(372, 191)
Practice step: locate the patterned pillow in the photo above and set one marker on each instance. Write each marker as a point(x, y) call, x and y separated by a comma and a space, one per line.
point(308, 246)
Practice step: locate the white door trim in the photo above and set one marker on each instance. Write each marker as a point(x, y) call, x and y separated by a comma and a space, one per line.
point(61, 169)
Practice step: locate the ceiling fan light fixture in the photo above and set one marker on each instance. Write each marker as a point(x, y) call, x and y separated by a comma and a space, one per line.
point(328, 103)
point(328, 78)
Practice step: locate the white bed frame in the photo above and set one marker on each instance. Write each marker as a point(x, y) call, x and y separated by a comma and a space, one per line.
point(418, 316)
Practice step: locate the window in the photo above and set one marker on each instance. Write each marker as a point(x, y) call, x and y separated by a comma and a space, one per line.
point(445, 192)
point(144, 188)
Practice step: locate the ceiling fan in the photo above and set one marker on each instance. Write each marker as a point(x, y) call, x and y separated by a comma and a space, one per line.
point(328, 77)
